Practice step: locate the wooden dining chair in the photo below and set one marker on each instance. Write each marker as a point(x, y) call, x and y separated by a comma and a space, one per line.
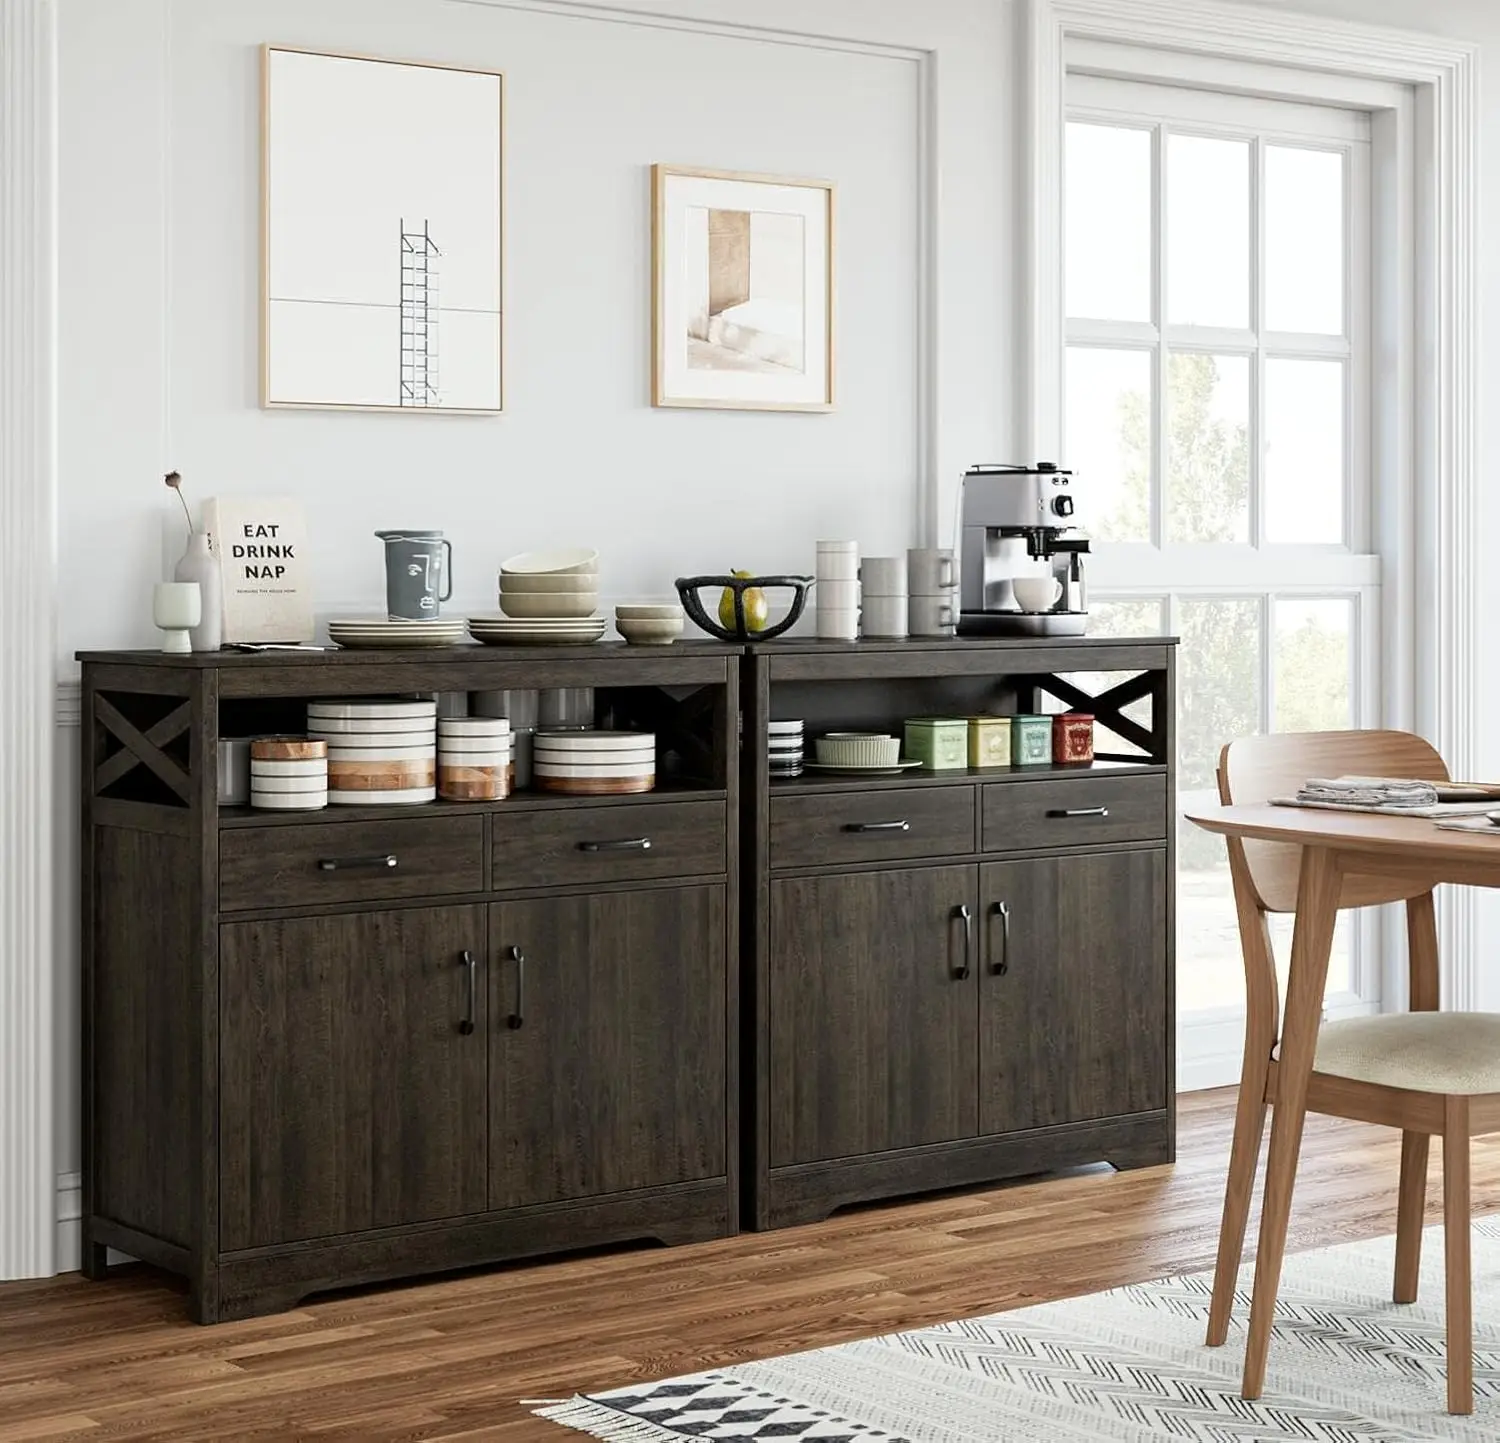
point(1429, 1073)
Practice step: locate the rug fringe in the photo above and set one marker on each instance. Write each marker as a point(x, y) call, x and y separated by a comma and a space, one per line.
point(584, 1416)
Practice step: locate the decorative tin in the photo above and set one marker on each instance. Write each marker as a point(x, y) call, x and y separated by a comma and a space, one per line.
point(1073, 739)
point(1030, 741)
point(989, 741)
point(939, 743)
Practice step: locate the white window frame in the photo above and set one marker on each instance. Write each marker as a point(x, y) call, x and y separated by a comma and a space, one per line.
point(1425, 463)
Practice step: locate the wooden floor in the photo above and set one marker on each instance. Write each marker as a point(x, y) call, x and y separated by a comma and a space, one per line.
point(450, 1359)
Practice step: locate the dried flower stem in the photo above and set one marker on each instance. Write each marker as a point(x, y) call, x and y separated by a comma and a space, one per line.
point(174, 480)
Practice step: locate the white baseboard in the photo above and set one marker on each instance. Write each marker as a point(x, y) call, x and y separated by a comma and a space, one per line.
point(69, 1224)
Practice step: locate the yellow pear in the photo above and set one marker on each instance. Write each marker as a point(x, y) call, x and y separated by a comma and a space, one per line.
point(757, 609)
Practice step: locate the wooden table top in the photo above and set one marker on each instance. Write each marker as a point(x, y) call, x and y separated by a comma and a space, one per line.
point(1369, 832)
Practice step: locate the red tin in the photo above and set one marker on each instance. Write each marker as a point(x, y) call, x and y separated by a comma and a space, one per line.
point(1072, 738)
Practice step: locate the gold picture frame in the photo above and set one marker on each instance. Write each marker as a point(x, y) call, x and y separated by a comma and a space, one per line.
point(729, 332)
point(276, 393)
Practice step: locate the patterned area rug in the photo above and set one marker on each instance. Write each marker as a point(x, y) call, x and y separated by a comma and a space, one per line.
point(1130, 1365)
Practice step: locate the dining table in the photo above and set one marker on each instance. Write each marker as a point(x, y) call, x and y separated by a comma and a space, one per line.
point(1336, 845)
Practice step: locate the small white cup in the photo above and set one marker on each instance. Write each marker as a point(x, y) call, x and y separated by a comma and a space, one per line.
point(930, 615)
point(1035, 593)
point(837, 595)
point(837, 566)
point(842, 548)
point(883, 575)
point(176, 607)
point(883, 616)
point(930, 571)
point(838, 623)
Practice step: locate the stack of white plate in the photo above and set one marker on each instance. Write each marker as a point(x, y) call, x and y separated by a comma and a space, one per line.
point(367, 631)
point(380, 749)
point(784, 744)
point(505, 631)
point(474, 758)
point(288, 774)
point(549, 587)
point(594, 763)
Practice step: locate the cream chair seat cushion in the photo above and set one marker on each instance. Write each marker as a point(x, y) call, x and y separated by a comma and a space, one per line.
point(1457, 1052)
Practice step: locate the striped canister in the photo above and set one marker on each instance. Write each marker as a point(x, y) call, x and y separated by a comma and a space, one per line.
point(381, 750)
point(288, 774)
point(474, 758)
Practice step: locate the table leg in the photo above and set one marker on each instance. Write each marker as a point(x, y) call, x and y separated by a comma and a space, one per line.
point(1317, 908)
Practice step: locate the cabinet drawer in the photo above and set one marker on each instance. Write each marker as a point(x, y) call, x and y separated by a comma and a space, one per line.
point(872, 826)
point(1074, 811)
point(608, 844)
point(350, 861)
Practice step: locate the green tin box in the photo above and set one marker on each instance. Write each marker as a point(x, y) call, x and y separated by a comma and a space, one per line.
point(940, 743)
point(1031, 741)
point(989, 741)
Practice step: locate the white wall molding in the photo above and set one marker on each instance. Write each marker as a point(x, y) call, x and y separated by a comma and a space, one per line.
point(28, 563)
point(1445, 427)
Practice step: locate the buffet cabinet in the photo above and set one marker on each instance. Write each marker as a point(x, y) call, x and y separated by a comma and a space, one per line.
point(954, 977)
point(308, 1066)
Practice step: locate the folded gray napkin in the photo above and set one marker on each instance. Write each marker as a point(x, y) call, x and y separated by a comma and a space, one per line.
point(1369, 792)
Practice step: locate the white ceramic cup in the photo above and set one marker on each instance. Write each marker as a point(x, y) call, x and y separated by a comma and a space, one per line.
point(1035, 593)
point(930, 571)
point(883, 616)
point(842, 548)
point(838, 623)
point(837, 566)
point(931, 615)
point(883, 575)
point(837, 595)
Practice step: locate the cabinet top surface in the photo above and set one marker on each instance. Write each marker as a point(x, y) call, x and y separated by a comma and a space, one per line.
point(384, 656)
point(812, 646)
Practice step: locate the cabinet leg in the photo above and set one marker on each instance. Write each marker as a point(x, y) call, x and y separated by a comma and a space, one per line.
point(693, 1230)
point(1145, 1154)
point(95, 1262)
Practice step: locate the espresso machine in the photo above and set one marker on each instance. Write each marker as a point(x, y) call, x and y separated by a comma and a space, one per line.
point(1021, 556)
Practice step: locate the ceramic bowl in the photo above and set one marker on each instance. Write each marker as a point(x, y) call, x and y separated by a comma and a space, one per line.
point(652, 611)
point(549, 581)
point(574, 560)
point(858, 749)
point(649, 631)
point(548, 605)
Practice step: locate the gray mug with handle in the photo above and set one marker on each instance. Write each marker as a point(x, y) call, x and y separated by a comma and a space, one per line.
point(418, 574)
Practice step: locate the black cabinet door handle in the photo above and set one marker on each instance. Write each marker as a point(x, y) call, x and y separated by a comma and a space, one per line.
point(1078, 812)
point(349, 864)
point(1001, 965)
point(466, 1023)
point(517, 1018)
point(901, 825)
point(967, 918)
point(625, 844)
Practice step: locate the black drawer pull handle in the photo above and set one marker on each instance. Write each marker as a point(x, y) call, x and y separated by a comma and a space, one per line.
point(516, 1019)
point(898, 826)
point(967, 918)
point(1001, 965)
point(625, 844)
point(338, 864)
point(466, 1023)
point(1078, 812)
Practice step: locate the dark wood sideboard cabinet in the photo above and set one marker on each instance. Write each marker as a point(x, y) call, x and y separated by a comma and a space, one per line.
point(303, 1071)
point(955, 976)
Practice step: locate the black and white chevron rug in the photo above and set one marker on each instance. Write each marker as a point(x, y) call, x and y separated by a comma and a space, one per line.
point(1347, 1366)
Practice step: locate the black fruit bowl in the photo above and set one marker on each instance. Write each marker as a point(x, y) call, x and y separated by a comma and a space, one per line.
point(688, 588)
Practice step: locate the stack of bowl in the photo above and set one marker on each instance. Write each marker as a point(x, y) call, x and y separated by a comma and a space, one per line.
point(474, 758)
point(288, 774)
point(649, 625)
point(784, 744)
point(381, 750)
point(593, 763)
point(550, 585)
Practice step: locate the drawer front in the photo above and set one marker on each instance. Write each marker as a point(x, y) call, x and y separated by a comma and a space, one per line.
point(1074, 812)
point(350, 861)
point(872, 826)
point(607, 844)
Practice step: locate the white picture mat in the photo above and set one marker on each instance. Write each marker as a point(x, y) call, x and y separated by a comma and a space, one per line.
point(679, 381)
point(355, 149)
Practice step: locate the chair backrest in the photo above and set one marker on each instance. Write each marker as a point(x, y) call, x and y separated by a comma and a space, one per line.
point(1255, 769)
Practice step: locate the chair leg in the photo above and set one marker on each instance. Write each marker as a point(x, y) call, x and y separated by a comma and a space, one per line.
point(1244, 1154)
point(1411, 1208)
point(1456, 1224)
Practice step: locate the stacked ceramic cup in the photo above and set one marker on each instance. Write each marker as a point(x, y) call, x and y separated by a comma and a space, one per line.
point(784, 746)
point(474, 758)
point(288, 774)
point(932, 596)
point(837, 590)
point(882, 586)
point(381, 750)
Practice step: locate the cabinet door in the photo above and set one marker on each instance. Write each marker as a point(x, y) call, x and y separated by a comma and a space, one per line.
point(873, 1027)
point(1073, 1022)
point(349, 1096)
point(606, 1043)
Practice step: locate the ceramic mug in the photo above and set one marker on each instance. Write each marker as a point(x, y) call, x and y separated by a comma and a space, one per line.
point(418, 574)
point(930, 615)
point(837, 595)
point(883, 616)
point(838, 561)
point(930, 571)
point(838, 623)
point(883, 575)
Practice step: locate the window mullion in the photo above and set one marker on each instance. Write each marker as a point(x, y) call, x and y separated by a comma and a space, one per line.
point(1159, 316)
point(1258, 359)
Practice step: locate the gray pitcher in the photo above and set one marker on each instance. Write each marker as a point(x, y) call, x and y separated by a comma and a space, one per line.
point(418, 574)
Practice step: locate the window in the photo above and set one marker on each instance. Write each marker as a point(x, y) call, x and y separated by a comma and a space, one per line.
point(1216, 401)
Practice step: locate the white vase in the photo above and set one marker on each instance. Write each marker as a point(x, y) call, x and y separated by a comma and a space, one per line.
point(199, 564)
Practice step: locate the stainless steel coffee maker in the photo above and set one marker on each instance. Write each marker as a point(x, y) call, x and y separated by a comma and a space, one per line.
point(1018, 534)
